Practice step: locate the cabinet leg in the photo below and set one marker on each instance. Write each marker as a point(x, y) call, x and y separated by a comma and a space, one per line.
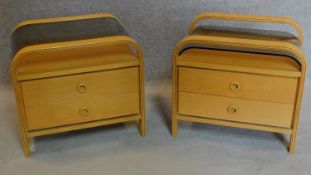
point(174, 127)
point(142, 126)
point(26, 146)
point(25, 141)
point(292, 143)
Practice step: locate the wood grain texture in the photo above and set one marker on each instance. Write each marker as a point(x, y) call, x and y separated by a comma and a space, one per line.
point(264, 64)
point(248, 111)
point(66, 88)
point(250, 86)
point(78, 84)
point(54, 102)
point(243, 43)
point(83, 59)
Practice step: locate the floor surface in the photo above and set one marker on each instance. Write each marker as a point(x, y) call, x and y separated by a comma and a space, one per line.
point(116, 150)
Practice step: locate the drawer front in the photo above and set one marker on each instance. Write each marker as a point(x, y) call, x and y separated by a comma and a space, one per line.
point(240, 85)
point(58, 114)
point(78, 87)
point(79, 98)
point(233, 109)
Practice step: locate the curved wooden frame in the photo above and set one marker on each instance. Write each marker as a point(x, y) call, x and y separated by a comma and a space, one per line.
point(247, 44)
point(67, 18)
point(247, 18)
point(105, 41)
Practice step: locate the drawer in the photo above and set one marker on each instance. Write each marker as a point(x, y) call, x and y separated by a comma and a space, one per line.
point(58, 114)
point(233, 109)
point(240, 85)
point(79, 87)
point(79, 98)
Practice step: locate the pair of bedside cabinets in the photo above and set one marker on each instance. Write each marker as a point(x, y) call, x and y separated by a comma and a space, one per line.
point(79, 72)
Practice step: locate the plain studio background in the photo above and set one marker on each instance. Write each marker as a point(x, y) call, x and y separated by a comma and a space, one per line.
point(157, 25)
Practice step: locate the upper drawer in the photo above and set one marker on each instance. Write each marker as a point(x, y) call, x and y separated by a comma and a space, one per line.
point(80, 86)
point(240, 85)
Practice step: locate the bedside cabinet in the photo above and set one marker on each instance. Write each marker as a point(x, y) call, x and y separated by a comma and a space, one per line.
point(76, 72)
point(250, 79)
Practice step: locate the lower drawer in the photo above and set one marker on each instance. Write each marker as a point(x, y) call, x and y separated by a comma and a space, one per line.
point(234, 109)
point(59, 114)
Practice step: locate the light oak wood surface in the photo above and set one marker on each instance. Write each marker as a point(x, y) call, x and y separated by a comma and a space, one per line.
point(231, 123)
point(234, 109)
point(79, 84)
point(61, 101)
point(83, 125)
point(191, 102)
point(239, 85)
point(83, 59)
point(240, 62)
point(66, 18)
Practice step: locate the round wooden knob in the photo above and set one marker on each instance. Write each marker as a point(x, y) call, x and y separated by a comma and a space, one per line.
point(235, 86)
point(84, 111)
point(81, 88)
point(232, 109)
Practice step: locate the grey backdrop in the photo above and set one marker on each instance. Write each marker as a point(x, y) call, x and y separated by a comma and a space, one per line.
point(156, 24)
